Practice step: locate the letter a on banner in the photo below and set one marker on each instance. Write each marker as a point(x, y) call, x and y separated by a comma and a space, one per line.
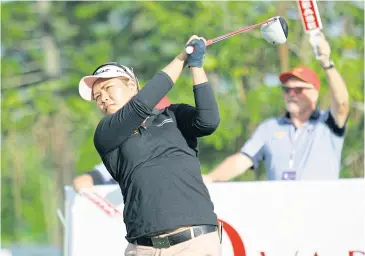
point(311, 20)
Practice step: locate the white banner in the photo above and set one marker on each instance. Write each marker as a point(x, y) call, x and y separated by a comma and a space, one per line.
point(295, 218)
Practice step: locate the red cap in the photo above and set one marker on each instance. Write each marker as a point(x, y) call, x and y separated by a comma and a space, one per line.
point(302, 73)
point(164, 103)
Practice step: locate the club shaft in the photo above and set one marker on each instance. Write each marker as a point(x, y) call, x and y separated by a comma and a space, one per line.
point(239, 31)
point(190, 49)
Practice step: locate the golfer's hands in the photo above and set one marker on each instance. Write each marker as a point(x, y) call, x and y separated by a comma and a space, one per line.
point(196, 58)
point(323, 48)
point(184, 56)
point(83, 182)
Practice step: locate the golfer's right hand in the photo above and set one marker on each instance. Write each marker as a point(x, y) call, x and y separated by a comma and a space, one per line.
point(82, 182)
point(196, 58)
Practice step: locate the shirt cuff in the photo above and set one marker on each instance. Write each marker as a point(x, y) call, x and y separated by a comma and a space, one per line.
point(331, 122)
point(97, 177)
point(255, 164)
point(202, 85)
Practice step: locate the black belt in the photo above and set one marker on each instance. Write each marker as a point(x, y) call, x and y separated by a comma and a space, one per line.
point(177, 238)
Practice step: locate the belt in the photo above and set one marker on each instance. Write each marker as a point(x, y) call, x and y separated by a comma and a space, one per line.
point(174, 239)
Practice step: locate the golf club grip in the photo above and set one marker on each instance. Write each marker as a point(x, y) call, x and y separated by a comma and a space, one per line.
point(190, 49)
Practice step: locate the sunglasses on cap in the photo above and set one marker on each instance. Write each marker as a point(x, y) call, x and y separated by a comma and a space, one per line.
point(128, 70)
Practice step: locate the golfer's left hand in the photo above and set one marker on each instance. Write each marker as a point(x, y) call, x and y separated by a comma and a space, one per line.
point(196, 59)
point(184, 56)
point(323, 49)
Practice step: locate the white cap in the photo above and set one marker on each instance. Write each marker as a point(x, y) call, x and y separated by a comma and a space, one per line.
point(105, 71)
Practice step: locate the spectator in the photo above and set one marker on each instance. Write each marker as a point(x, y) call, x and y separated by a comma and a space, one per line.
point(305, 143)
point(99, 175)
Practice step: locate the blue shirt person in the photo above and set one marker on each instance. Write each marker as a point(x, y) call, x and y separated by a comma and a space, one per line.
point(99, 175)
point(304, 144)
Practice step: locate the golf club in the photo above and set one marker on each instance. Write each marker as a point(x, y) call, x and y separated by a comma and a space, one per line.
point(273, 30)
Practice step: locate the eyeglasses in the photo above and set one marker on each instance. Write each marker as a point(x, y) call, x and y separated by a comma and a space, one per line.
point(297, 90)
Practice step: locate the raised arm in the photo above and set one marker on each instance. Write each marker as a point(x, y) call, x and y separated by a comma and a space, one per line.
point(204, 119)
point(175, 68)
point(339, 94)
point(115, 128)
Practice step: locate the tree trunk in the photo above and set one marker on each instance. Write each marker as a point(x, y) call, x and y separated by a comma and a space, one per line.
point(51, 69)
point(42, 136)
point(16, 183)
point(63, 158)
point(51, 52)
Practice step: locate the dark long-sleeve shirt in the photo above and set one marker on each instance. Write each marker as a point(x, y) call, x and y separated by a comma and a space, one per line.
point(156, 165)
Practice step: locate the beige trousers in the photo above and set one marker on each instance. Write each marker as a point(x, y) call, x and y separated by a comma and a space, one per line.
point(203, 245)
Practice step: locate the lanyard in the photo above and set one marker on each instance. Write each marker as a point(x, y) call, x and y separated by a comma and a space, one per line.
point(294, 139)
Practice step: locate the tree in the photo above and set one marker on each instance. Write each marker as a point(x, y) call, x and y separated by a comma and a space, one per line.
point(48, 46)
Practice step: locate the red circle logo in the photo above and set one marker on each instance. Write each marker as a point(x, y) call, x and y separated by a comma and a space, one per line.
point(234, 237)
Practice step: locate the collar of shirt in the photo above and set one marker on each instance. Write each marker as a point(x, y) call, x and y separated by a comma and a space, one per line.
point(314, 116)
point(153, 116)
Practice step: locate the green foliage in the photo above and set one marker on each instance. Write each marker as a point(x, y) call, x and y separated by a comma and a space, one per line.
point(47, 134)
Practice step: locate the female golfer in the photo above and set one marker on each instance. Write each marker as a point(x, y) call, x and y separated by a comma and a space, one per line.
point(152, 154)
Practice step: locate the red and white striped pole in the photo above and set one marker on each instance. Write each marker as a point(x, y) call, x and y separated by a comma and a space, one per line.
point(101, 203)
